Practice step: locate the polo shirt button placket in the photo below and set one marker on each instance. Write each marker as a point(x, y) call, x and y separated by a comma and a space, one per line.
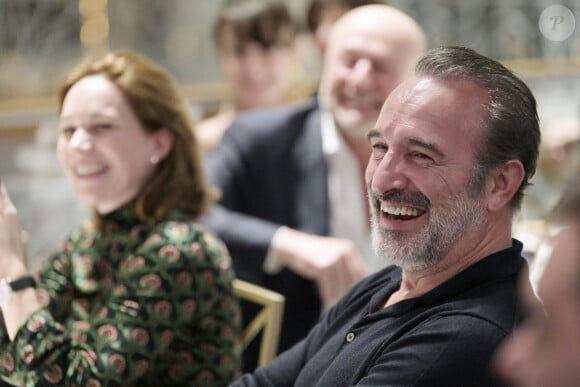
point(349, 337)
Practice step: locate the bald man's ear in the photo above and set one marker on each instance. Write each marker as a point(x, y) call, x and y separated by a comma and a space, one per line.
point(503, 184)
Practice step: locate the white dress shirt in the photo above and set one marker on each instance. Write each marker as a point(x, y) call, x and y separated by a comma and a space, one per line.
point(348, 216)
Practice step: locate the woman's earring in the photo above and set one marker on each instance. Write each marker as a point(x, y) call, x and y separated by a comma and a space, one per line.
point(154, 159)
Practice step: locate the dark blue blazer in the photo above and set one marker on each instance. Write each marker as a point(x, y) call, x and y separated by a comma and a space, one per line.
point(272, 171)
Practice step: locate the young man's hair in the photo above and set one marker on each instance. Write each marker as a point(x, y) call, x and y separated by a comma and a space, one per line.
point(266, 22)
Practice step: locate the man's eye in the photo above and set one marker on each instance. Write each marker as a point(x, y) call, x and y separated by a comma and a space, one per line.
point(422, 156)
point(379, 146)
point(240, 51)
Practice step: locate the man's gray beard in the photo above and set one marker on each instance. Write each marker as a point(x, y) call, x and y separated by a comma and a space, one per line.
point(421, 251)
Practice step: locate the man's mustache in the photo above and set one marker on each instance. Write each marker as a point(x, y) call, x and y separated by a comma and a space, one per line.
point(413, 198)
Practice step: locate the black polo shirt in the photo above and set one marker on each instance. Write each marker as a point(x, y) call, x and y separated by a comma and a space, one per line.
point(446, 337)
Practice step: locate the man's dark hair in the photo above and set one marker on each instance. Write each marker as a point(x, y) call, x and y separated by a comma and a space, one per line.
point(512, 119)
point(266, 22)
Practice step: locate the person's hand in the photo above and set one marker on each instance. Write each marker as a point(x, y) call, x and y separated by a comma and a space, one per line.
point(335, 264)
point(11, 263)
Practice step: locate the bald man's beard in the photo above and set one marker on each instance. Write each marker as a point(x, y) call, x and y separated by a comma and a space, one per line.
point(425, 248)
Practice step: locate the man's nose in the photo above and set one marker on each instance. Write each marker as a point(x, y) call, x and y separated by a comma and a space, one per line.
point(360, 77)
point(255, 60)
point(388, 174)
point(362, 69)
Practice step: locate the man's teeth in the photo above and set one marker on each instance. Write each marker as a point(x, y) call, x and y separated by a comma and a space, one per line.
point(398, 211)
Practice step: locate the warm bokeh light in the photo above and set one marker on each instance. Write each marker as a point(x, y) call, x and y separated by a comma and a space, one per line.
point(89, 7)
point(95, 30)
point(94, 22)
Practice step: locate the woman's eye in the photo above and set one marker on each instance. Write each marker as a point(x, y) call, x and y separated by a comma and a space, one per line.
point(102, 126)
point(67, 131)
point(98, 128)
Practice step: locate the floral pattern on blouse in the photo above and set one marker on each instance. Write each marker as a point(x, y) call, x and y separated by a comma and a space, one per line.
point(135, 304)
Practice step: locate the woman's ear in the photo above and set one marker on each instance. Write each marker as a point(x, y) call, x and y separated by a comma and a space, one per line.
point(505, 182)
point(164, 139)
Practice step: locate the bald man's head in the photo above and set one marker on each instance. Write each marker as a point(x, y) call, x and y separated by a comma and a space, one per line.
point(403, 33)
point(371, 50)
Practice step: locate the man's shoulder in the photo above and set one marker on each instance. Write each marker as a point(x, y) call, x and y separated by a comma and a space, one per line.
point(490, 303)
point(275, 118)
point(273, 130)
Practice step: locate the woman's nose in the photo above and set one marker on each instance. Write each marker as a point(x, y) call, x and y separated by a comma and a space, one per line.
point(81, 139)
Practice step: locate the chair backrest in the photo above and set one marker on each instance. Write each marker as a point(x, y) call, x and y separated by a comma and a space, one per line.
point(268, 320)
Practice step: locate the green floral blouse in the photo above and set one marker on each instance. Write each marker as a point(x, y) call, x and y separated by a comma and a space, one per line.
point(136, 304)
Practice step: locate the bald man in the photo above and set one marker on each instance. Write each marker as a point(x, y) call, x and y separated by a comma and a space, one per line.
point(293, 211)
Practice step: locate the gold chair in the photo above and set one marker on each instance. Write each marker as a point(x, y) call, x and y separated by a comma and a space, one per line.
point(268, 320)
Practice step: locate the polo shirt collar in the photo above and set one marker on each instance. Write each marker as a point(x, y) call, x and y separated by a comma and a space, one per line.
point(502, 264)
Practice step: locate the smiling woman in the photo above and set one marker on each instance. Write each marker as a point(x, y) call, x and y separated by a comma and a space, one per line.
point(103, 147)
point(144, 293)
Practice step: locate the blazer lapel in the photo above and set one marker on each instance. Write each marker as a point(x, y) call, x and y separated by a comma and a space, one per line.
point(311, 191)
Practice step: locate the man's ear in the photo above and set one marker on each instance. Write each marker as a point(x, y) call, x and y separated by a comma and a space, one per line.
point(164, 139)
point(504, 183)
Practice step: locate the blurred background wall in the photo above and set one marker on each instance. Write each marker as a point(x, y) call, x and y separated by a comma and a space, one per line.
point(41, 39)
